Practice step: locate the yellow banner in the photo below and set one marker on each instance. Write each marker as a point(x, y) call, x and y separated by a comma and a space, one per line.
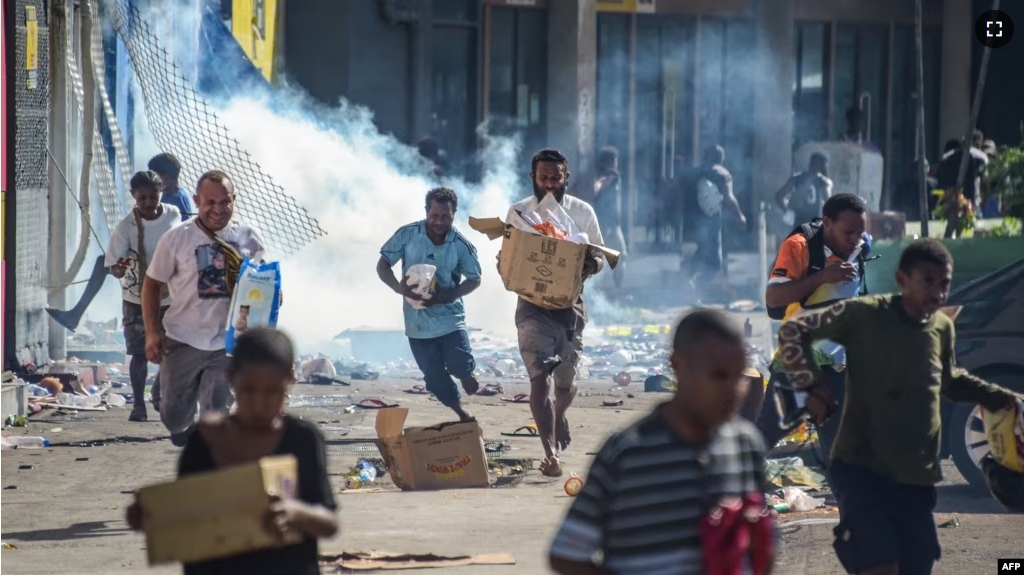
point(31, 46)
point(254, 25)
point(627, 6)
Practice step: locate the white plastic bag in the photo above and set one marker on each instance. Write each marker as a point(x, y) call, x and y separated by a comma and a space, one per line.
point(552, 211)
point(799, 500)
point(422, 278)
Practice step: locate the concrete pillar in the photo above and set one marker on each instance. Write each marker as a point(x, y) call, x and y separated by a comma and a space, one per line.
point(572, 55)
point(773, 112)
point(956, 72)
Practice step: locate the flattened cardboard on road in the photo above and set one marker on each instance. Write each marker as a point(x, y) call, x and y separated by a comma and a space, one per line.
point(215, 514)
point(443, 456)
point(543, 270)
point(377, 560)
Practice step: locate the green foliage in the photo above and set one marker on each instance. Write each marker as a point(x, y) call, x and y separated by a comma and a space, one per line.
point(1008, 228)
point(1004, 173)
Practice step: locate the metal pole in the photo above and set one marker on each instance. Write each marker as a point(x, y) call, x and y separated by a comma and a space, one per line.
point(966, 144)
point(763, 246)
point(923, 192)
point(60, 35)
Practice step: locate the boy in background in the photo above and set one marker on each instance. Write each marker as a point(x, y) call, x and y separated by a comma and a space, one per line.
point(885, 460)
point(133, 241)
point(650, 490)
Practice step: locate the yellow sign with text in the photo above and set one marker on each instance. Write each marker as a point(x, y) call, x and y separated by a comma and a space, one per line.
point(627, 6)
point(254, 26)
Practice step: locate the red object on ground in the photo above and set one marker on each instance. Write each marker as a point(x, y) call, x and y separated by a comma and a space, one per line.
point(734, 530)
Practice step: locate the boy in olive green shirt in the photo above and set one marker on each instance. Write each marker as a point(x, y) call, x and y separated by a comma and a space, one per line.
point(885, 461)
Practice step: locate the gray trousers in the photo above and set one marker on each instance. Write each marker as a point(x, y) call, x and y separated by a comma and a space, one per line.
point(190, 376)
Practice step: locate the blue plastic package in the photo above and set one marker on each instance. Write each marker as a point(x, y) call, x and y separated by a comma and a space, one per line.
point(256, 300)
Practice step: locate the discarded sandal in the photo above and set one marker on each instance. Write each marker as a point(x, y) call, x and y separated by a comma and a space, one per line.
point(496, 447)
point(607, 403)
point(518, 398)
point(417, 390)
point(525, 431)
point(374, 404)
point(490, 389)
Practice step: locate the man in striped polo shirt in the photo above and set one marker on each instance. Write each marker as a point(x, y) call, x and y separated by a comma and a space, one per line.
point(646, 505)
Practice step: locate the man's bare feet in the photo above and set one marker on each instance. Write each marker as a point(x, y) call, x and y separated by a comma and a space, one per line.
point(464, 415)
point(562, 436)
point(470, 384)
point(551, 467)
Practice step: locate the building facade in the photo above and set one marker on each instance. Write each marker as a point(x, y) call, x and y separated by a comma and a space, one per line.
point(658, 79)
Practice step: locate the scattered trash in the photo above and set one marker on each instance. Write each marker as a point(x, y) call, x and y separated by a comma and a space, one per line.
point(24, 467)
point(573, 485)
point(9, 546)
point(57, 430)
point(362, 474)
point(81, 459)
point(116, 400)
point(518, 398)
point(378, 560)
point(608, 403)
point(952, 523)
point(504, 367)
point(11, 487)
point(496, 447)
point(23, 442)
point(658, 383)
point(15, 421)
point(800, 501)
point(622, 378)
point(318, 378)
point(792, 471)
point(529, 430)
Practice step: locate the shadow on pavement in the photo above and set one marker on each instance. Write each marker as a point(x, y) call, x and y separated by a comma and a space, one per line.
point(964, 498)
point(89, 529)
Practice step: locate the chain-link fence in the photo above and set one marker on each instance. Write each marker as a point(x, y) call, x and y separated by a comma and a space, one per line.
point(32, 111)
point(182, 123)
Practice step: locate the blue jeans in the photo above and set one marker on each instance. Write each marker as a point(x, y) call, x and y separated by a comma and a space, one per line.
point(442, 358)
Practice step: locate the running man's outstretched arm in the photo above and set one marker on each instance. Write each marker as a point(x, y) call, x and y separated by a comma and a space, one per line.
point(797, 336)
point(962, 387)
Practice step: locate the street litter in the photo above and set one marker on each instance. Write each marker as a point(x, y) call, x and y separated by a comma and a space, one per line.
point(799, 501)
point(574, 485)
point(792, 471)
point(378, 560)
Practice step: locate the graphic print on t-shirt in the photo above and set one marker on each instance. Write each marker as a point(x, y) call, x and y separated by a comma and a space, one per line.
point(131, 282)
point(211, 261)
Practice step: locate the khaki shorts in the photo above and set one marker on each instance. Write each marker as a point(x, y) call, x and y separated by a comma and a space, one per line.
point(549, 348)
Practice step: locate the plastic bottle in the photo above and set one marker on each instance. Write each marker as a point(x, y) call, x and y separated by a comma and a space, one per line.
point(25, 442)
point(116, 400)
point(364, 473)
point(37, 391)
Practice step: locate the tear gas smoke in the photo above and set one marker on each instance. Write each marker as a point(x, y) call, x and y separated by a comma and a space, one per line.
point(362, 185)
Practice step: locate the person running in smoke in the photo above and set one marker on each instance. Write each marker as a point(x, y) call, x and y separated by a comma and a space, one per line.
point(608, 198)
point(655, 489)
point(192, 359)
point(550, 340)
point(709, 191)
point(437, 334)
point(134, 239)
point(900, 362)
point(797, 284)
point(167, 166)
point(804, 194)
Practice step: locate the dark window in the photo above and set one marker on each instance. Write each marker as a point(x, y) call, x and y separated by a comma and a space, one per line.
point(518, 69)
point(453, 100)
point(860, 80)
point(810, 81)
point(454, 9)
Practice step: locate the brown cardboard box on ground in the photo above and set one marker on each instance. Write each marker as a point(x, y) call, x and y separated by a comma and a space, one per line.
point(215, 514)
point(542, 270)
point(443, 456)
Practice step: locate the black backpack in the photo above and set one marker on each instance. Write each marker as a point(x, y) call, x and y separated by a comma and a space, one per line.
point(812, 231)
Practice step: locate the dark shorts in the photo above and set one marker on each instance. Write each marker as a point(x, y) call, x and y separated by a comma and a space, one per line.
point(882, 521)
point(135, 327)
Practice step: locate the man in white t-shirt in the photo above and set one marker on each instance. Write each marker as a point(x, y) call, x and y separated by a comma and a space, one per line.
point(550, 341)
point(131, 246)
point(198, 261)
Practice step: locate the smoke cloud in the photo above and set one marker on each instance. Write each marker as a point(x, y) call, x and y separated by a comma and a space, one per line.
point(362, 185)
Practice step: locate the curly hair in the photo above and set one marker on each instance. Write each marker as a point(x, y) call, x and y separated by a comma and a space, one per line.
point(549, 155)
point(147, 179)
point(924, 251)
point(443, 196)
